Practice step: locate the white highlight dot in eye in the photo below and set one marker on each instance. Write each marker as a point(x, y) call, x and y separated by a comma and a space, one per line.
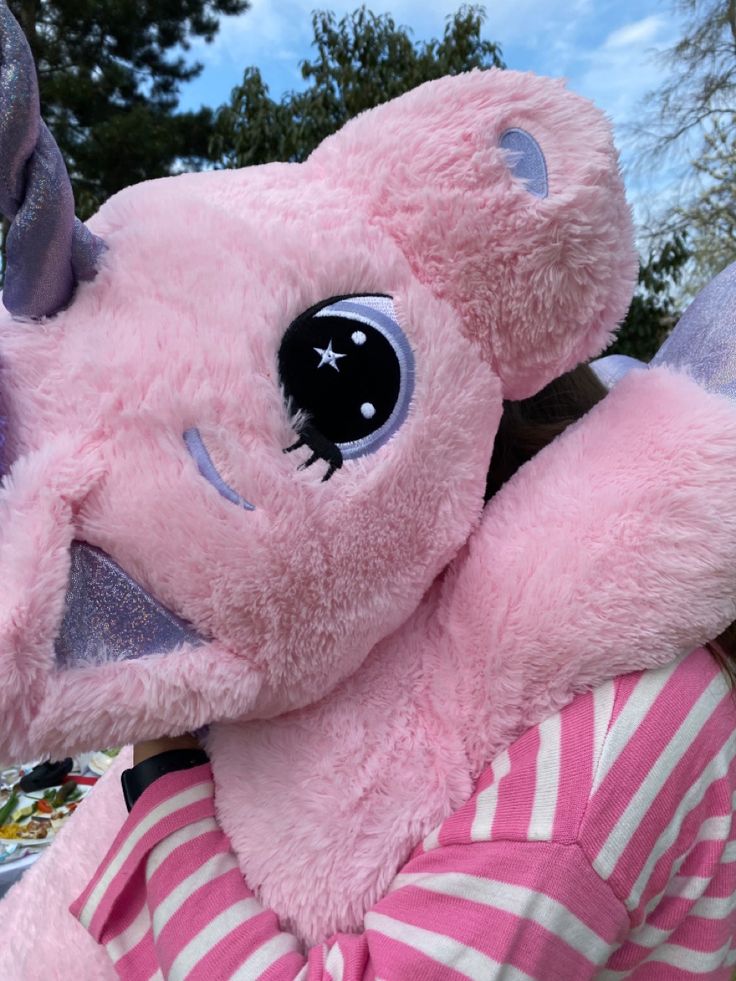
point(367, 410)
point(358, 337)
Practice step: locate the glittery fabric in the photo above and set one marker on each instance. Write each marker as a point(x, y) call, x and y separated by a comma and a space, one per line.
point(87, 250)
point(611, 369)
point(109, 617)
point(19, 117)
point(704, 341)
point(4, 456)
point(4, 462)
point(39, 278)
point(526, 161)
point(48, 250)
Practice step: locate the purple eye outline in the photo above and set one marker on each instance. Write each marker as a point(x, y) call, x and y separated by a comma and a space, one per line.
point(200, 454)
point(377, 311)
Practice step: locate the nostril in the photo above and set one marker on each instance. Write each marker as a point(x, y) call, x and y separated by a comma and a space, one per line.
point(200, 455)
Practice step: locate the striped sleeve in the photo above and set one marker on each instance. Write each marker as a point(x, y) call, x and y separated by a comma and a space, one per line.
point(659, 827)
point(600, 844)
point(170, 902)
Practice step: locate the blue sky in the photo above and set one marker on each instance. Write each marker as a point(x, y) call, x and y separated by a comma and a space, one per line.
point(605, 48)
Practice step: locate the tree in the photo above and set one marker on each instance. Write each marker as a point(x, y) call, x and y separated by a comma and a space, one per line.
point(693, 114)
point(109, 76)
point(361, 60)
point(708, 214)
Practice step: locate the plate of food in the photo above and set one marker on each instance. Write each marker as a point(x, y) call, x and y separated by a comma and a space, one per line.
point(34, 819)
point(100, 762)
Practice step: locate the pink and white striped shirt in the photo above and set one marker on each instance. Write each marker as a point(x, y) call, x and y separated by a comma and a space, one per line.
point(601, 844)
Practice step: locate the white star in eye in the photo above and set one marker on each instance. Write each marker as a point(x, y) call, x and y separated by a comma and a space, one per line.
point(328, 356)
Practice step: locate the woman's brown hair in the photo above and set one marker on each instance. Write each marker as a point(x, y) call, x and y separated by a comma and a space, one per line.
point(723, 649)
point(528, 426)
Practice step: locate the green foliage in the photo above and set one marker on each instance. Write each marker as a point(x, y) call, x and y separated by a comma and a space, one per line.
point(653, 311)
point(109, 75)
point(360, 61)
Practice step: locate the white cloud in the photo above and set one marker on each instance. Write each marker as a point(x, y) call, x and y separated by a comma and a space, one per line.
point(623, 69)
point(283, 31)
point(280, 30)
point(617, 75)
point(632, 35)
point(535, 23)
point(246, 36)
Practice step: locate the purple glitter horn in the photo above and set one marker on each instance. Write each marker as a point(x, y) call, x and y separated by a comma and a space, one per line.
point(48, 250)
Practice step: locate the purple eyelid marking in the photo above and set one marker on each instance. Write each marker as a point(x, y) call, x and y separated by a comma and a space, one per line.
point(200, 455)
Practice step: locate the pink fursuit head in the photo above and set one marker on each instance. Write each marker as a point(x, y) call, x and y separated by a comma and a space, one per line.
point(361, 634)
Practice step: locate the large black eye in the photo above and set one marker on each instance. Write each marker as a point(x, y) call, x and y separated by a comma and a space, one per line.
point(348, 366)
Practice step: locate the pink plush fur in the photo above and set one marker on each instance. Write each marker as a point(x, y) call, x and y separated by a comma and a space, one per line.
point(535, 281)
point(322, 806)
point(298, 592)
point(379, 637)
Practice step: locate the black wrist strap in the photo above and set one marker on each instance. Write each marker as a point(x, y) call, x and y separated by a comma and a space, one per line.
point(143, 774)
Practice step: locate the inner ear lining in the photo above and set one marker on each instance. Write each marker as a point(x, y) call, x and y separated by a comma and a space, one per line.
point(526, 160)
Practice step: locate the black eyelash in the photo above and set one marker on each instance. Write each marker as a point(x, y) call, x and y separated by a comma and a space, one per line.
point(322, 449)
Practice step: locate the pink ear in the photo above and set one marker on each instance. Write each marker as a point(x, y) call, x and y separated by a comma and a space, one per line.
point(532, 247)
